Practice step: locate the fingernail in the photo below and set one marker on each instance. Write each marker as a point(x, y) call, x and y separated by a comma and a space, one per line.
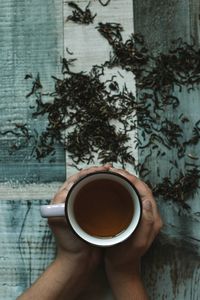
point(112, 169)
point(108, 165)
point(147, 205)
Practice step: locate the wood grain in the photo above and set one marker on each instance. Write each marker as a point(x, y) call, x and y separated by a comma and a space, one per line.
point(31, 41)
point(90, 48)
point(165, 18)
point(161, 21)
point(26, 246)
point(171, 270)
point(27, 192)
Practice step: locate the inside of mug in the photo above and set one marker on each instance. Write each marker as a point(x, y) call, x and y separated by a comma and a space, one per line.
point(97, 240)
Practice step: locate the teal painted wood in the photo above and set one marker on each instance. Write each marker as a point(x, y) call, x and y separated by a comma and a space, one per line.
point(171, 268)
point(26, 246)
point(194, 6)
point(171, 271)
point(161, 21)
point(31, 41)
point(174, 263)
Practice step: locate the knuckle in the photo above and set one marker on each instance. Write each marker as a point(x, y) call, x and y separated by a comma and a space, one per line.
point(149, 219)
point(149, 190)
point(59, 197)
point(142, 245)
point(54, 200)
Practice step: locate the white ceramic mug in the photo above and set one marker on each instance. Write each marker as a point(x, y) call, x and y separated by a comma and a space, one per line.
point(67, 209)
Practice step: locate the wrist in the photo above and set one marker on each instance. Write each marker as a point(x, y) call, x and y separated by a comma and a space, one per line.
point(77, 263)
point(64, 261)
point(128, 287)
point(123, 278)
point(126, 283)
point(118, 271)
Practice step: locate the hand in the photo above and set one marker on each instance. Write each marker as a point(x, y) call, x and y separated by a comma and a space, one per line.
point(124, 258)
point(70, 272)
point(70, 247)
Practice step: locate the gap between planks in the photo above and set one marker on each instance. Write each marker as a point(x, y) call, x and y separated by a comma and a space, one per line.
point(10, 191)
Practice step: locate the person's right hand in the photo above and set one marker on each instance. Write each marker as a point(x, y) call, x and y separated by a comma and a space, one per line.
point(124, 259)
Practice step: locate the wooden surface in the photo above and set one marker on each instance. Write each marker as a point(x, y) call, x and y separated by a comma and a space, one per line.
point(174, 261)
point(33, 36)
point(90, 48)
point(27, 246)
point(31, 41)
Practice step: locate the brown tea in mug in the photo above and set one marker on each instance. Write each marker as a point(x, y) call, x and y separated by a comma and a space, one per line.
point(103, 208)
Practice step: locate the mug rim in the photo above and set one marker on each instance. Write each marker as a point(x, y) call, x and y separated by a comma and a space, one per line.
point(103, 238)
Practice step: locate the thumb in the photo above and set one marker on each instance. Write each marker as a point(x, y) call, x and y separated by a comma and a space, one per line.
point(143, 234)
point(145, 226)
point(147, 211)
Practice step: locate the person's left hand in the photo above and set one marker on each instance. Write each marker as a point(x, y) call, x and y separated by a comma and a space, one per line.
point(70, 247)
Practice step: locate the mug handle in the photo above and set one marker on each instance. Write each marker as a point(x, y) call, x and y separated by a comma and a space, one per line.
point(52, 210)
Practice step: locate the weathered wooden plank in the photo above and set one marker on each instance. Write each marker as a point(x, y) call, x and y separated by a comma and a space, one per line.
point(30, 42)
point(90, 48)
point(176, 20)
point(171, 269)
point(194, 7)
point(26, 192)
point(27, 246)
point(162, 21)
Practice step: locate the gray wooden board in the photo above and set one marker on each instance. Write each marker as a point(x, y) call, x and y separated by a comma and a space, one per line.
point(176, 261)
point(26, 246)
point(31, 41)
point(162, 22)
point(171, 271)
point(90, 48)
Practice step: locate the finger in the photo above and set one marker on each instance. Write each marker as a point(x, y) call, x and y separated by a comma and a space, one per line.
point(146, 195)
point(58, 221)
point(61, 195)
point(93, 170)
point(152, 224)
point(125, 173)
point(58, 225)
point(147, 212)
point(143, 189)
point(143, 234)
point(158, 224)
point(83, 173)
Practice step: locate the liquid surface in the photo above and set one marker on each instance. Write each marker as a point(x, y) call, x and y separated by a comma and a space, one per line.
point(103, 208)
